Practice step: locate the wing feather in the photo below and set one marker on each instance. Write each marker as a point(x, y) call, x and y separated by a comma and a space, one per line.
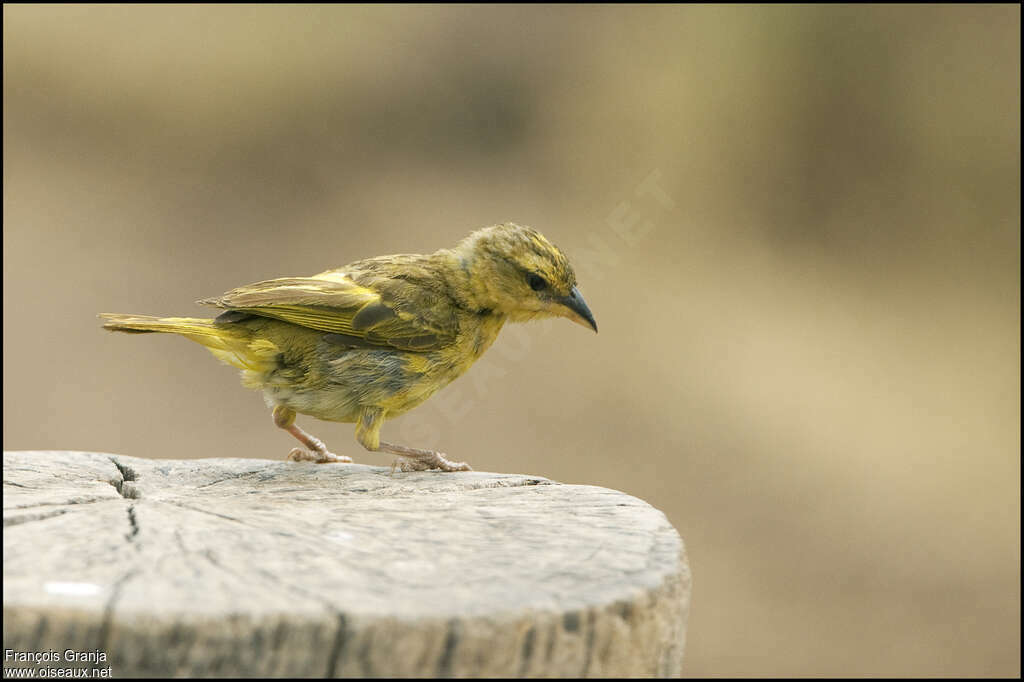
point(351, 314)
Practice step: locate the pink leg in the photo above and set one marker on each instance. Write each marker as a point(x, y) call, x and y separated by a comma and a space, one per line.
point(285, 418)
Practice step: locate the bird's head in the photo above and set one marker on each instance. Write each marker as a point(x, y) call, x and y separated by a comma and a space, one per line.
point(515, 271)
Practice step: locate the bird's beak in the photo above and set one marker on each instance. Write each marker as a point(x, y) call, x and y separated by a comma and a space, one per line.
point(578, 310)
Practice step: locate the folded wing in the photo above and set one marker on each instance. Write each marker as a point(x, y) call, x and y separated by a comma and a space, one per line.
point(406, 316)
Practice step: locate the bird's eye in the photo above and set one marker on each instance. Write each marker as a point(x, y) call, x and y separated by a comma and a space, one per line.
point(536, 282)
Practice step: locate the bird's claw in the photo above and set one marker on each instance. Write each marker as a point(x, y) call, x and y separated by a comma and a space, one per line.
point(435, 460)
point(320, 457)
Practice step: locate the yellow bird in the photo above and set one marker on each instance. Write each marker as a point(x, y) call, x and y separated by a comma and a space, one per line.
point(375, 338)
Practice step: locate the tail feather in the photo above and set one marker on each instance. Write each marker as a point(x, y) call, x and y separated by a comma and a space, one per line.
point(198, 329)
point(229, 343)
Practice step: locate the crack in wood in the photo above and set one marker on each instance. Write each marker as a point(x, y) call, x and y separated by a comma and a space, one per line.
point(207, 511)
point(72, 501)
point(309, 594)
point(526, 653)
point(128, 475)
point(28, 518)
point(588, 656)
point(451, 640)
point(183, 553)
point(232, 477)
point(108, 608)
point(337, 647)
point(133, 523)
point(209, 555)
point(571, 621)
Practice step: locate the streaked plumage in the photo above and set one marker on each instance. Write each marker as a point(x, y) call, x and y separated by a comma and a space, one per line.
point(376, 338)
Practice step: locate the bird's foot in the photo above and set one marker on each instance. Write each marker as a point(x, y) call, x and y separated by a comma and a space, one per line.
point(414, 459)
point(425, 463)
point(403, 464)
point(318, 456)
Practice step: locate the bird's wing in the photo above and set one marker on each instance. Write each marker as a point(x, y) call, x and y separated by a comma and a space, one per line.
point(405, 317)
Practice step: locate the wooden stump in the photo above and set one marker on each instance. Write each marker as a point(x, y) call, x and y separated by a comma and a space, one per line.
point(242, 567)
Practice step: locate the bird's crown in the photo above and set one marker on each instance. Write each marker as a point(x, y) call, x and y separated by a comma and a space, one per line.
point(527, 251)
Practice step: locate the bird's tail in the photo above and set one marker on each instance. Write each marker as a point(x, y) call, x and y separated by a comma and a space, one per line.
point(229, 343)
point(202, 329)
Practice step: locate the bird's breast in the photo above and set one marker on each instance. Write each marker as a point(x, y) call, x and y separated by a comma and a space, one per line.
point(429, 372)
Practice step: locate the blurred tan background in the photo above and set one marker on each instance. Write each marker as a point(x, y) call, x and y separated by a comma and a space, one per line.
point(798, 228)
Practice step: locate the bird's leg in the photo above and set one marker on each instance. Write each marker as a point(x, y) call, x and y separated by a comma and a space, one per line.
point(413, 459)
point(284, 418)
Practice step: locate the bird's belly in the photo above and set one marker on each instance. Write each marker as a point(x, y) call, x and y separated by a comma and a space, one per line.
point(338, 388)
point(329, 404)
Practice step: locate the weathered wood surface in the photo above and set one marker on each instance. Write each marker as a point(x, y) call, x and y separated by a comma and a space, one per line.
point(240, 567)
